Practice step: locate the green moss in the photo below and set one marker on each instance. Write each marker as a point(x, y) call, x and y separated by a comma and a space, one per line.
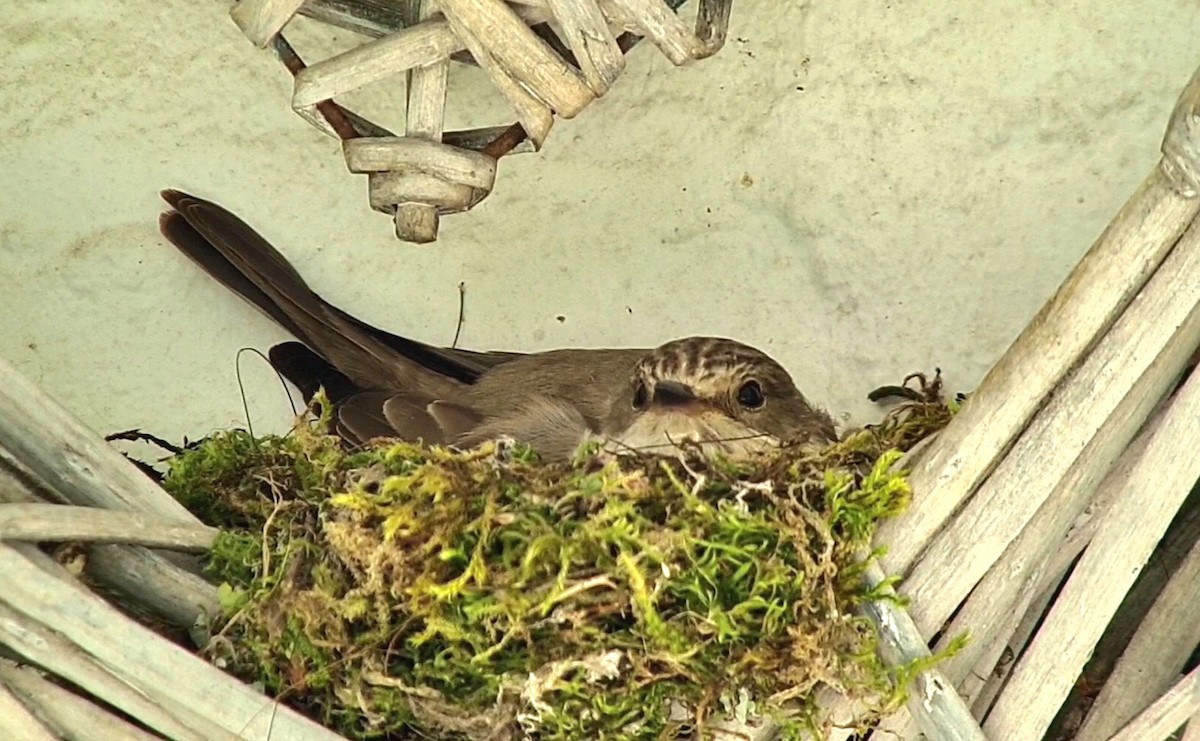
point(405, 590)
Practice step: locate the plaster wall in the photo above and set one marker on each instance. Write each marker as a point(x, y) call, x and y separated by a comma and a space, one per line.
point(861, 188)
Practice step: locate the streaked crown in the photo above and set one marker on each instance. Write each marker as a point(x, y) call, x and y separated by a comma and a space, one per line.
point(709, 365)
point(698, 376)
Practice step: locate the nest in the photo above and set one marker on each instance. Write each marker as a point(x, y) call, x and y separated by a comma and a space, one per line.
point(482, 594)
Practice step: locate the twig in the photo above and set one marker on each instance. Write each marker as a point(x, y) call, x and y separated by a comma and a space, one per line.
point(1159, 483)
point(52, 620)
point(1157, 652)
point(333, 113)
point(506, 142)
point(934, 704)
point(136, 435)
point(1167, 714)
point(462, 301)
point(37, 522)
point(72, 715)
point(1085, 306)
point(17, 722)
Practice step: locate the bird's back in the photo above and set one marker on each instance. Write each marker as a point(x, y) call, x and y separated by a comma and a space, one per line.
point(587, 378)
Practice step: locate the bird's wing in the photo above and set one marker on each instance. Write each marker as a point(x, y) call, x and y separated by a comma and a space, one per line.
point(590, 379)
point(552, 427)
point(363, 414)
point(359, 418)
point(455, 420)
point(241, 259)
point(410, 418)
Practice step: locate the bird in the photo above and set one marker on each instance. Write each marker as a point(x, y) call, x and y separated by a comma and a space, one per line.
point(720, 394)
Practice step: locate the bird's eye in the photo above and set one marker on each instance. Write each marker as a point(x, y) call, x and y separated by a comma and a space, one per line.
point(750, 395)
point(640, 396)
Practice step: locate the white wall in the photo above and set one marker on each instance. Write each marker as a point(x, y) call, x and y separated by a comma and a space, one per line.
point(941, 169)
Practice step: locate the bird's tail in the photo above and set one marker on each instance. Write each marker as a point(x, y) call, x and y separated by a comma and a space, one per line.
point(309, 372)
point(235, 254)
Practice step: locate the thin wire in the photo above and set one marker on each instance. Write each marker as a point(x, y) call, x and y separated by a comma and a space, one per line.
point(237, 366)
point(686, 443)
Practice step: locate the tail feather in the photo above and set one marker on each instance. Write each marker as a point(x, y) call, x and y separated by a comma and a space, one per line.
point(241, 259)
point(309, 372)
point(193, 244)
point(358, 415)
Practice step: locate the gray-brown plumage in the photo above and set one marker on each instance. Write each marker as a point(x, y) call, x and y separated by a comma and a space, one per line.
point(710, 390)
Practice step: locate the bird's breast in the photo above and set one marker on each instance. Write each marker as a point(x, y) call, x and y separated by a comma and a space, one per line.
point(663, 430)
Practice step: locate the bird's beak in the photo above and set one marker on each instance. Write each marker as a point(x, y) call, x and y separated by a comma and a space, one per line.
point(672, 394)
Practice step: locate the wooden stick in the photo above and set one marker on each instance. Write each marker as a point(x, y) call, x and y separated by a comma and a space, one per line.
point(662, 26)
point(1036, 560)
point(426, 110)
point(1168, 556)
point(1160, 481)
point(618, 18)
point(1167, 714)
point(35, 643)
point(1192, 732)
point(418, 155)
point(1154, 657)
point(1082, 309)
point(37, 522)
point(1091, 417)
point(1009, 636)
point(394, 53)
point(1009, 602)
point(712, 25)
point(372, 18)
point(17, 723)
point(77, 465)
point(46, 616)
point(73, 716)
point(424, 43)
point(525, 57)
point(18, 485)
point(148, 579)
point(1090, 299)
point(326, 115)
point(141, 576)
point(988, 678)
point(934, 704)
point(995, 677)
point(534, 115)
point(260, 20)
point(386, 189)
point(71, 459)
point(592, 41)
point(1181, 145)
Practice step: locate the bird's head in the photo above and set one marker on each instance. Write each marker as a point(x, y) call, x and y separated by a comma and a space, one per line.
point(718, 392)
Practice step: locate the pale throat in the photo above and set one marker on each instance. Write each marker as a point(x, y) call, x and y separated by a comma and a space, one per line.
point(659, 430)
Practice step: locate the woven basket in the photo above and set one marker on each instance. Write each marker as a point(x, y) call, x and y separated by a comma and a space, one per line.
point(429, 172)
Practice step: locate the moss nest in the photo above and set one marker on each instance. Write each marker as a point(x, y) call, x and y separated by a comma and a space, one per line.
point(403, 591)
